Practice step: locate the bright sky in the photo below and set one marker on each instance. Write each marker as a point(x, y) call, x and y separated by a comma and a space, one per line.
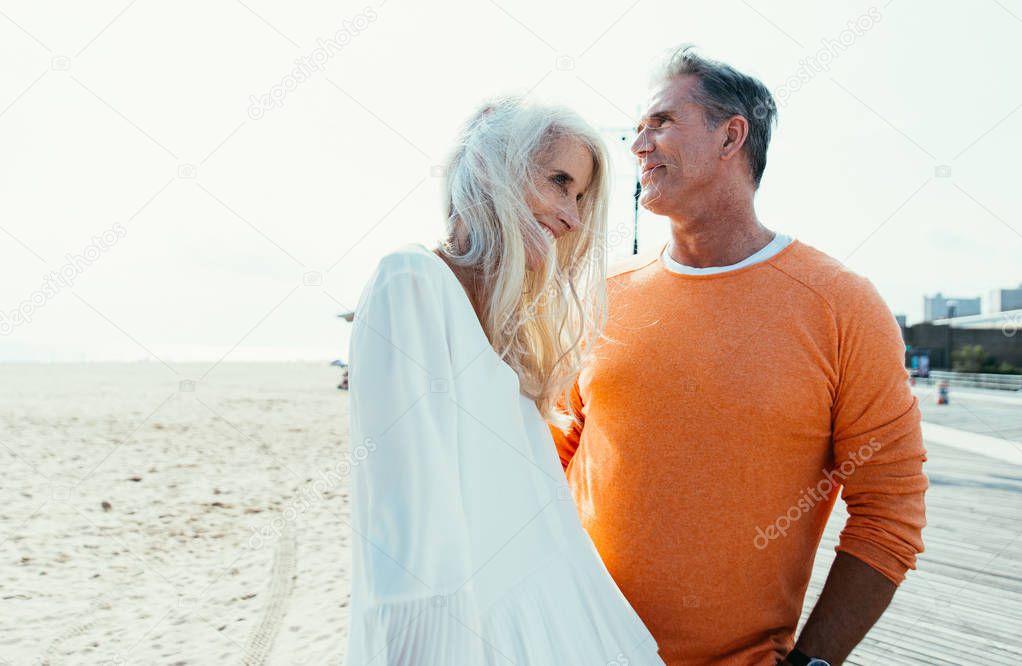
point(210, 228)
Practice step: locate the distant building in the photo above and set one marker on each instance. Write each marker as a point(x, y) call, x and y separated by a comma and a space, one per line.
point(1000, 335)
point(1003, 300)
point(901, 319)
point(1007, 321)
point(943, 307)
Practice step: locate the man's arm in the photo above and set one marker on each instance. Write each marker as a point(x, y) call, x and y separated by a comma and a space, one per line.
point(853, 599)
point(878, 457)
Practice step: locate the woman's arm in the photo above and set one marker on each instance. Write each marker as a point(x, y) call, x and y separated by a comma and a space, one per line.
point(410, 545)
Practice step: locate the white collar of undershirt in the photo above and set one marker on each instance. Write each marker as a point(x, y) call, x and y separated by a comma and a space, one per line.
point(779, 242)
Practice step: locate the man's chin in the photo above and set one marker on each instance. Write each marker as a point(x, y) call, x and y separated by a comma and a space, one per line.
point(653, 204)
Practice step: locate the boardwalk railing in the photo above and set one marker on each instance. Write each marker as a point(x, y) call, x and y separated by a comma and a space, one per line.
point(978, 380)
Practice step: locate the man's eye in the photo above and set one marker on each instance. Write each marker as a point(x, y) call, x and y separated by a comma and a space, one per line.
point(653, 123)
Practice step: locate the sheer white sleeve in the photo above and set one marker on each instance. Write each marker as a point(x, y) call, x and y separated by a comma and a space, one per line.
point(411, 601)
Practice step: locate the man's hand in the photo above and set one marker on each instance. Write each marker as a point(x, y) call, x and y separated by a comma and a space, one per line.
point(853, 599)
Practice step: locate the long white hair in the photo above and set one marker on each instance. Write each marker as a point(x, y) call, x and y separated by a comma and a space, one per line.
point(541, 322)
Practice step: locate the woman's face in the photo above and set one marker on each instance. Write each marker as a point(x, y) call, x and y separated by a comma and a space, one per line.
point(565, 172)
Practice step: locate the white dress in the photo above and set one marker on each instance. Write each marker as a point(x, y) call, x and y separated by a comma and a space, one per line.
point(466, 545)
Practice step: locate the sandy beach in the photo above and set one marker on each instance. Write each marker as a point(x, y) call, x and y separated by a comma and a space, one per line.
point(153, 517)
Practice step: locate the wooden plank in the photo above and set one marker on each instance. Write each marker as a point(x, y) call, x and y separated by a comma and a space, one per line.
point(963, 605)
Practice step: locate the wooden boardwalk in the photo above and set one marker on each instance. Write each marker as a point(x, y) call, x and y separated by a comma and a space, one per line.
point(963, 605)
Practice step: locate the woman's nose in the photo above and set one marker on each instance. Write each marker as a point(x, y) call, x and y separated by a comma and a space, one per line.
point(570, 217)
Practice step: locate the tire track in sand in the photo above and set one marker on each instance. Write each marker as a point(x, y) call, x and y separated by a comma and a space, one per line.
point(282, 582)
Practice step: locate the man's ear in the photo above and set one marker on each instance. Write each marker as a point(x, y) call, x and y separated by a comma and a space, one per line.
point(736, 131)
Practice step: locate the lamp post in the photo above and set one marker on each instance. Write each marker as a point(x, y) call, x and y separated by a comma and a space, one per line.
point(951, 308)
point(635, 219)
point(626, 134)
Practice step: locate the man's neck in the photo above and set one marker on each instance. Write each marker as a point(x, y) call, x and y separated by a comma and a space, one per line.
point(721, 239)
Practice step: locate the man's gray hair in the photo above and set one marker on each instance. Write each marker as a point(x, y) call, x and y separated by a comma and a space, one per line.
point(724, 92)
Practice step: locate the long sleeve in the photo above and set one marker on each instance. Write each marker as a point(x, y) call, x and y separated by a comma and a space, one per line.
point(410, 561)
point(878, 444)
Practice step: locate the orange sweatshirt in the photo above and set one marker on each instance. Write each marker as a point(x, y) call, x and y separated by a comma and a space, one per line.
point(721, 415)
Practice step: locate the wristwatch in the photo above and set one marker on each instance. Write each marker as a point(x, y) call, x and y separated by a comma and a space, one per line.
point(798, 658)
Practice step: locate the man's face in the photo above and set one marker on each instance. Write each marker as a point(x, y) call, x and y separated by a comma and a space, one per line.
point(678, 156)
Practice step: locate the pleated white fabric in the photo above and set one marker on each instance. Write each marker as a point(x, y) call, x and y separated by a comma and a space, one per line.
point(466, 543)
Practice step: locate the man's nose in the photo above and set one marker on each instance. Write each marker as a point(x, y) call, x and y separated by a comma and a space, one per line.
point(642, 144)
